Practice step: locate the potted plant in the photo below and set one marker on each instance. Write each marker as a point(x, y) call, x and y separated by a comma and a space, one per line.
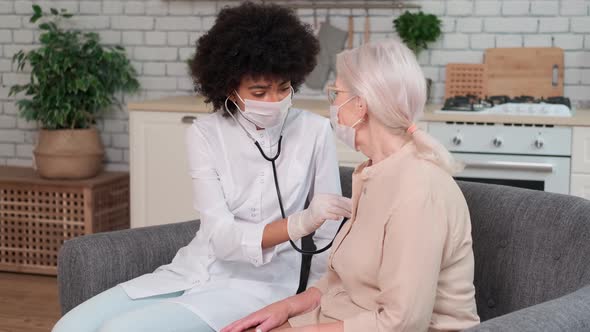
point(417, 30)
point(73, 80)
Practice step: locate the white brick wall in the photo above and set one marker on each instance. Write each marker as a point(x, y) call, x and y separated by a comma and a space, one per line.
point(514, 8)
point(481, 41)
point(469, 24)
point(574, 8)
point(160, 35)
point(487, 8)
point(455, 41)
point(581, 24)
point(511, 25)
point(537, 41)
point(545, 8)
point(509, 41)
point(569, 41)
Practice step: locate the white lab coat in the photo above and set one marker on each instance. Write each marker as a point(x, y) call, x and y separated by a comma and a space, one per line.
point(223, 270)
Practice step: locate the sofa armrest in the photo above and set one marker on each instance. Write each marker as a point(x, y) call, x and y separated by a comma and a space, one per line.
point(90, 264)
point(567, 313)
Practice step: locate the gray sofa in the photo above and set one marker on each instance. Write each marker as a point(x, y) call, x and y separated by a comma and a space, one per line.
point(532, 250)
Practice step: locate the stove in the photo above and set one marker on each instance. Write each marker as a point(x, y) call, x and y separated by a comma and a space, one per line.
point(505, 105)
point(533, 156)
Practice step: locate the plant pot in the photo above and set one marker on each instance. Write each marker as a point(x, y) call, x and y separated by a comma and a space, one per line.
point(69, 153)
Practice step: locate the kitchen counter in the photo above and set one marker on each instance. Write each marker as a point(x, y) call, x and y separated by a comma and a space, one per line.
point(196, 104)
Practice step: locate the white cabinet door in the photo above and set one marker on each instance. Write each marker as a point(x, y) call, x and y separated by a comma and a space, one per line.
point(161, 190)
point(580, 185)
point(581, 150)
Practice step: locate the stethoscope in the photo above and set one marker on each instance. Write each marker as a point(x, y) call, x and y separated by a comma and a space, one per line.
point(276, 180)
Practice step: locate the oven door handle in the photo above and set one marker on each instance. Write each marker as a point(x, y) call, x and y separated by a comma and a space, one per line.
point(510, 165)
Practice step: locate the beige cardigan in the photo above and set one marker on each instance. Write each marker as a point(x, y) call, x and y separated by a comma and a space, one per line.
point(404, 261)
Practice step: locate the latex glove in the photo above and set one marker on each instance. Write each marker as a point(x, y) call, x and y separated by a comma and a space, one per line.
point(321, 208)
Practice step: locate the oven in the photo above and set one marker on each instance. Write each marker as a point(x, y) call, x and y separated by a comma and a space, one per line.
point(528, 156)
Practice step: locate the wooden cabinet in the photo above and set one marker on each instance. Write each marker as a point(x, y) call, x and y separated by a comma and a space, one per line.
point(580, 179)
point(161, 190)
point(161, 187)
point(37, 215)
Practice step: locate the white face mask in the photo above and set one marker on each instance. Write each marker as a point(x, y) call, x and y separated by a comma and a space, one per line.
point(265, 114)
point(344, 133)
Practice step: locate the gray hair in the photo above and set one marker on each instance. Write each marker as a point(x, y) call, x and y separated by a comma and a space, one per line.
point(388, 77)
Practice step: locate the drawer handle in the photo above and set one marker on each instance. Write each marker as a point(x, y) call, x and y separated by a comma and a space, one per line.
point(188, 119)
point(509, 165)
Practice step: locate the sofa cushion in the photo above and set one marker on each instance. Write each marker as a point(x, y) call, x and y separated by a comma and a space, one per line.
point(529, 246)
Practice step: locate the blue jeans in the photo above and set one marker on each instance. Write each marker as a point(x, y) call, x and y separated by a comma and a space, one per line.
point(113, 310)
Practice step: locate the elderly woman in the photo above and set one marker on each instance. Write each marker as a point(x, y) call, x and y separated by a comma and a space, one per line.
point(404, 261)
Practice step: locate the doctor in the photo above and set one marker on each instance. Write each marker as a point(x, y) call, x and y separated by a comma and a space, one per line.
point(248, 66)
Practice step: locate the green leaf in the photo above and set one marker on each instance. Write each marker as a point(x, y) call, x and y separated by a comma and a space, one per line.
point(418, 29)
point(73, 78)
point(45, 38)
point(68, 15)
point(15, 89)
point(35, 18)
point(16, 56)
point(37, 10)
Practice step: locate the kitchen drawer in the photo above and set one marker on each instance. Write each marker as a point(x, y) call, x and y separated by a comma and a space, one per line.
point(508, 139)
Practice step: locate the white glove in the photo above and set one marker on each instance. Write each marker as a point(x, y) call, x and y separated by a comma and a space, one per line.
point(321, 208)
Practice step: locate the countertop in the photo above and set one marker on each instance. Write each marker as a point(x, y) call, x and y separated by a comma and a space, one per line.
point(196, 104)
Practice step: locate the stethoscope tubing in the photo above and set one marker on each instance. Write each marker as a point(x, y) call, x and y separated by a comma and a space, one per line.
point(278, 191)
point(277, 188)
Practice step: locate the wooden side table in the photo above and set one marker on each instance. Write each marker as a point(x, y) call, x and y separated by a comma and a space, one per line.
point(37, 215)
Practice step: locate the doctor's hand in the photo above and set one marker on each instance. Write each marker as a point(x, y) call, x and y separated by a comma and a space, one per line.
point(321, 208)
point(263, 320)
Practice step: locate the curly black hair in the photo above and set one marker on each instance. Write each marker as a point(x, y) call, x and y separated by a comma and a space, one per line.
point(261, 40)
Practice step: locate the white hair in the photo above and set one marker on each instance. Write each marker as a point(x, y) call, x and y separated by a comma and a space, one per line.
point(388, 77)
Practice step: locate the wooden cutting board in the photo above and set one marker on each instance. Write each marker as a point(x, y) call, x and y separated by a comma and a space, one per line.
point(536, 72)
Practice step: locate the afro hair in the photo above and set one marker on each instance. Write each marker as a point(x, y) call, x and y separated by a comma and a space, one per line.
point(260, 40)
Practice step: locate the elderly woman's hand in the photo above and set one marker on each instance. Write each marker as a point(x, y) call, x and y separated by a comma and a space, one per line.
point(263, 320)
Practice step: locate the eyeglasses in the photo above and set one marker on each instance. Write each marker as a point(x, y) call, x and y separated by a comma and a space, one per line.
point(332, 92)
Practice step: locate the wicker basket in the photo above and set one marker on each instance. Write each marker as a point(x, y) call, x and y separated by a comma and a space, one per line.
point(38, 215)
point(69, 153)
point(466, 79)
